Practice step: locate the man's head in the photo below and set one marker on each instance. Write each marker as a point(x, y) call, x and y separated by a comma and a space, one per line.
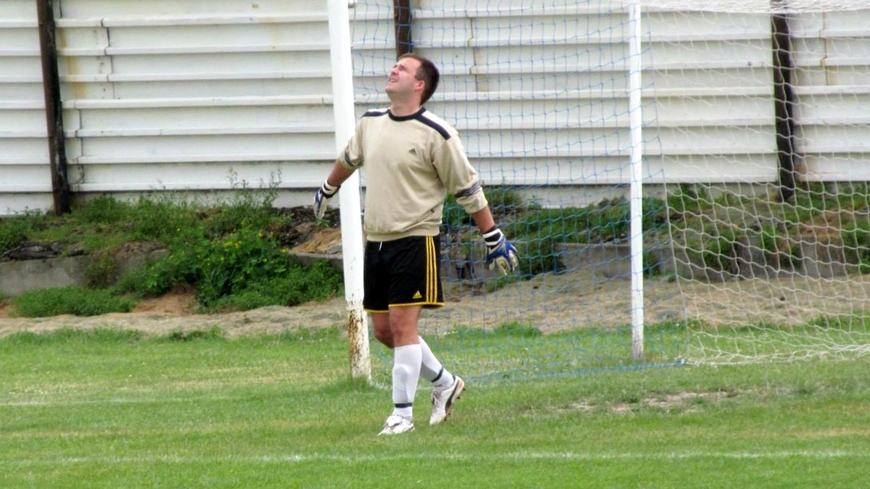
point(414, 73)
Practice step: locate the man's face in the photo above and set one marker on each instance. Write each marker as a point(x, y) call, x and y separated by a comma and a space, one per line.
point(402, 77)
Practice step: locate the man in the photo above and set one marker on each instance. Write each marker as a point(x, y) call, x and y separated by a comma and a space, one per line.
point(412, 159)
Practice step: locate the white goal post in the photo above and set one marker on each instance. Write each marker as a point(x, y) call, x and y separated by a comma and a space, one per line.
point(349, 199)
point(684, 178)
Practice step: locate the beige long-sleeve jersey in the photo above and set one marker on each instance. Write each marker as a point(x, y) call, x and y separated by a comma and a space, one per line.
point(411, 164)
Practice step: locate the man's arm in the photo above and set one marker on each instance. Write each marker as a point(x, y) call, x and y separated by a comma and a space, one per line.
point(339, 174)
point(330, 187)
point(499, 252)
point(483, 219)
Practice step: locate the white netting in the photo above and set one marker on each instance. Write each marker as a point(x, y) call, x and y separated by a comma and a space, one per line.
point(731, 95)
point(769, 208)
point(753, 6)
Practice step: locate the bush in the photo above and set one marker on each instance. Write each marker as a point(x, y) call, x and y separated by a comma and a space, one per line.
point(13, 232)
point(79, 301)
point(245, 270)
point(103, 209)
point(300, 285)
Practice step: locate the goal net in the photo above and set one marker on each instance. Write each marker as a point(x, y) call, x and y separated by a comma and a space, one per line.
point(755, 212)
point(768, 199)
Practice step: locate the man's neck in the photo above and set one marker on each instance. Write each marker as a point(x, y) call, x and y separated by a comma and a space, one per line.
point(403, 109)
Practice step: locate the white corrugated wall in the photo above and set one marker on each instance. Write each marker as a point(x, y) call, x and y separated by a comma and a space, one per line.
point(204, 95)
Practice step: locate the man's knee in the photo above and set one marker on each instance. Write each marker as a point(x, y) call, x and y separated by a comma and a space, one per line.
point(384, 336)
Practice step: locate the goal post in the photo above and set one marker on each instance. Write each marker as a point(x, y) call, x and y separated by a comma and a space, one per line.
point(635, 110)
point(349, 198)
point(638, 154)
point(548, 101)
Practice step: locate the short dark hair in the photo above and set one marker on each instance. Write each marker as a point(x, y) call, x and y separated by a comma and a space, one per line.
point(427, 72)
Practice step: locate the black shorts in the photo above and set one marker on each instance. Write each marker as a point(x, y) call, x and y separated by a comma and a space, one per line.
point(404, 272)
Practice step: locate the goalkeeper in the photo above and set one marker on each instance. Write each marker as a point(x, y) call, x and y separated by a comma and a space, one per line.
point(412, 159)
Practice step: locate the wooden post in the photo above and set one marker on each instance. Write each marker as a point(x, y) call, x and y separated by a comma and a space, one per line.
point(784, 102)
point(53, 107)
point(402, 22)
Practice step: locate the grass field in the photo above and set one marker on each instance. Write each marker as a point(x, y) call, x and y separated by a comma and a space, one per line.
point(114, 409)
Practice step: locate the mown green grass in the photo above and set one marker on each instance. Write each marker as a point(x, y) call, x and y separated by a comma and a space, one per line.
point(115, 409)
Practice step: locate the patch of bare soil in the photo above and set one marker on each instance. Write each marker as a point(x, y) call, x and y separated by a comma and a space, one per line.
point(681, 402)
point(174, 313)
point(550, 303)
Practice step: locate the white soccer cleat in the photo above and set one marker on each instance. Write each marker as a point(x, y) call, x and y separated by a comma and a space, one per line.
point(395, 425)
point(442, 400)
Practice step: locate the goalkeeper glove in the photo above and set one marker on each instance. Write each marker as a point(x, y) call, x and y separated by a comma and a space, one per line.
point(321, 198)
point(499, 252)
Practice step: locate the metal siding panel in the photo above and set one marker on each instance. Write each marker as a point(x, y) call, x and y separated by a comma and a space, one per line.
point(838, 166)
point(20, 146)
point(214, 146)
point(257, 87)
point(264, 35)
point(187, 90)
point(18, 10)
point(16, 202)
point(22, 120)
point(19, 40)
point(203, 176)
point(208, 64)
point(214, 117)
point(83, 9)
point(29, 178)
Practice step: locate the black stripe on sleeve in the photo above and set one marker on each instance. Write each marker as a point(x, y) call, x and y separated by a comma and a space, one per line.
point(477, 187)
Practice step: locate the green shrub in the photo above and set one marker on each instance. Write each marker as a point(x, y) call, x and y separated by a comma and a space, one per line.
point(299, 284)
point(231, 264)
point(14, 232)
point(540, 255)
point(101, 269)
point(719, 251)
point(856, 242)
point(165, 222)
point(160, 276)
point(687, 199)
point(103, 209)
point(79, 301)
point(244, 271)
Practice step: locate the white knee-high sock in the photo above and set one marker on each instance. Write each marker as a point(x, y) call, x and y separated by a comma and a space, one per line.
point(406, 374)
point(432, 370)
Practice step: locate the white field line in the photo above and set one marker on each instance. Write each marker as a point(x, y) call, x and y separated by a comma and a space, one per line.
point(87, 402)
point(279, 459)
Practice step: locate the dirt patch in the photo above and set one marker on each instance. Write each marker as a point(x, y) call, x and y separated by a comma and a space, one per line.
point(173, 313)
point(548, 302)
point(682, 402)
point(178, 303)
point(319, 240)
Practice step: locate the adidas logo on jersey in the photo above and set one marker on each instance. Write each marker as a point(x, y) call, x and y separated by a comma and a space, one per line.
point(417, 295)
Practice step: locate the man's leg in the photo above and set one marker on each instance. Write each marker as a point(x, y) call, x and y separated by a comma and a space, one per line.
point(407, 358)
point(432, 369)
point(398, 330)
point(446, 387)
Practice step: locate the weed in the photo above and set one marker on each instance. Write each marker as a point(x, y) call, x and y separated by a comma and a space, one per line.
point(14, 231)
point(79, 301)
point(101, 269)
